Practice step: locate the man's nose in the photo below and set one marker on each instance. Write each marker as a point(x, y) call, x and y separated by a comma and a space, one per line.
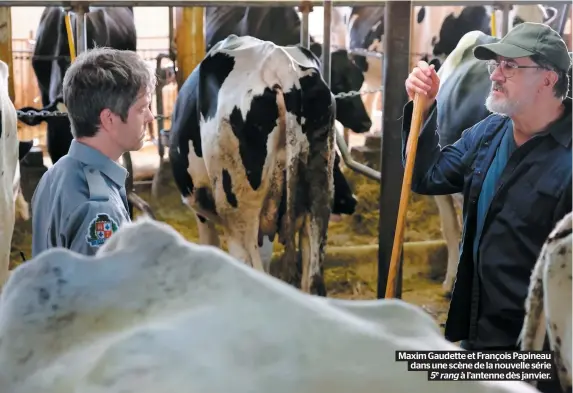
point(497, 75)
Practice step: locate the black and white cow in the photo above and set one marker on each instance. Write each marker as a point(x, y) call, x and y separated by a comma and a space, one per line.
point(437, 30)
point(548, 303)
point(366, 31)
point(12, 203)
point(252, 150)
point(263, 22)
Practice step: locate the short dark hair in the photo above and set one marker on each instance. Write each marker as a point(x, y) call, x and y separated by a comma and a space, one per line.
point(561, 87)
point(104, 78)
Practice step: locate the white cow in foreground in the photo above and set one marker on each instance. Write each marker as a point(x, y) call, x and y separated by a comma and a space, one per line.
point(548, 304)
point(9, 173)
point(169, 316)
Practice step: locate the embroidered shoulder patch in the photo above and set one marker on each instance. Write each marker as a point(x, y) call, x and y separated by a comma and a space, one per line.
point(100, 229)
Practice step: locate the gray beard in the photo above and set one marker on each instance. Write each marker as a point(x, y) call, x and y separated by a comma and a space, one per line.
point(501, 106)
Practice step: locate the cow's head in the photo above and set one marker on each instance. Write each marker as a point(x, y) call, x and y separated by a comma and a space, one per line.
point(453, 29)
point(344, 77)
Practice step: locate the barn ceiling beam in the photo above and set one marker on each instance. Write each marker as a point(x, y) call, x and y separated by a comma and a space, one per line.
point(278, 3)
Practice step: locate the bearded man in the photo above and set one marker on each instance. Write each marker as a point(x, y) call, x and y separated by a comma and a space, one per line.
point(514, 170)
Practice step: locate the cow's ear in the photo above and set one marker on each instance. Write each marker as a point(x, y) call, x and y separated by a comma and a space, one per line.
point(213, 71)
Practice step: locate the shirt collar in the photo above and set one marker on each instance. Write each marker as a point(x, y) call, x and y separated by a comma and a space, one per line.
point(561, 129)
point(99, 161)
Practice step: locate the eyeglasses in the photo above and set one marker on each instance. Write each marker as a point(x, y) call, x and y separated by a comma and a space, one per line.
point(508, 69)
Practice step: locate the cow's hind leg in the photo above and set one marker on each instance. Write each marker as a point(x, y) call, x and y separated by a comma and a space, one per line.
point(314, 230)
point(452, 233)
point(243, 236)
point(312, 279)
point(205, 221)
point(207, 231)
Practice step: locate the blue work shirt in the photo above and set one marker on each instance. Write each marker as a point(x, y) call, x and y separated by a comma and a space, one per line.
point(532, 194)
point(79, 202)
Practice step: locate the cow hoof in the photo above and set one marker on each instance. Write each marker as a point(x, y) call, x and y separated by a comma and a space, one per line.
point(447, 295)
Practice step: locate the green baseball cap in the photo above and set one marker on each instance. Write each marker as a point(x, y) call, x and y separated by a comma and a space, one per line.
point(527, 39)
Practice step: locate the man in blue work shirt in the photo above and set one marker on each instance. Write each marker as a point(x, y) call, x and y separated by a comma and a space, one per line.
point(81, 200)
point(514, 169)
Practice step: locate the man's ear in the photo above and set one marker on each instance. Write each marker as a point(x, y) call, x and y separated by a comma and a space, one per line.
point(106, 119)
point(551, 79)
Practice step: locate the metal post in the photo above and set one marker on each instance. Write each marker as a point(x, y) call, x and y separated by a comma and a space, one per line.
point(189, 39)
point(81, 33)
point(305, 8)
point(563, 19)
point(397, 20)
point(172, 49)
point(161, 139)
point(326, 41)
point(506, 7)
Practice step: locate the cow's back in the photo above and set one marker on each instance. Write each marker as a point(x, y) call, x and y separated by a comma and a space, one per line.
point(112, 26)
point(220, 22)
point(46, 44)
point(462, 94)
point(259, 22)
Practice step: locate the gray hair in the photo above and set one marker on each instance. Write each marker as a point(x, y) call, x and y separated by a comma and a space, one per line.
point(104, 78)
point(561, 87)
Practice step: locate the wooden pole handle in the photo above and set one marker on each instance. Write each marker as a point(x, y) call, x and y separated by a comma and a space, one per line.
point(411, 147)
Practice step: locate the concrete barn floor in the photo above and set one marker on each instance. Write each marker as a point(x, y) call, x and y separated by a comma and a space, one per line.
point(352, 252)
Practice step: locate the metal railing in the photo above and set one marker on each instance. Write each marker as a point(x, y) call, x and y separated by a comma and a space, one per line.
point(27, 93)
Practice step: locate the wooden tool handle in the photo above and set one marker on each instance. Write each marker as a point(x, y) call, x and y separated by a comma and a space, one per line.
point(411, 147)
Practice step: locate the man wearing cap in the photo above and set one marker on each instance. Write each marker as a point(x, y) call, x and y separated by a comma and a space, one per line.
point(514, 170)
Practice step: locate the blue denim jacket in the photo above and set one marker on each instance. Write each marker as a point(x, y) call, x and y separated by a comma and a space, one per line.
point(533, 193)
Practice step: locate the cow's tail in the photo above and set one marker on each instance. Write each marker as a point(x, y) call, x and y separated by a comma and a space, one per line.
point(288, 271)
